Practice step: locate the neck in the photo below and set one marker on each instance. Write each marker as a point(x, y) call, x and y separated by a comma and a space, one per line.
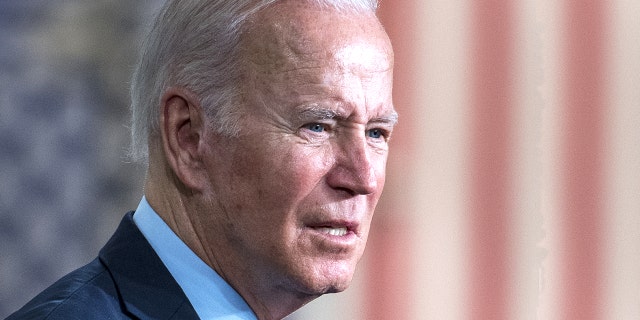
point(175, 206)
point(171, 203)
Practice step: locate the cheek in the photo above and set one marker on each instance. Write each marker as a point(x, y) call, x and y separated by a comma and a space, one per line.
point(292, 181)
point(381, 175)
point(276, 177)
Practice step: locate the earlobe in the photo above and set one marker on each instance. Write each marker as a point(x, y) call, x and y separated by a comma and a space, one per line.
point(182, 128)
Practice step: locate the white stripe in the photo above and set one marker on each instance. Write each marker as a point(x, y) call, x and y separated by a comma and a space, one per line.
point(550, 19)
point(438, 194)
point(527, 168)
point(623, 282)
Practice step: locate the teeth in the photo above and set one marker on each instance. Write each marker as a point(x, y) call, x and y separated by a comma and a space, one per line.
point(334, 231)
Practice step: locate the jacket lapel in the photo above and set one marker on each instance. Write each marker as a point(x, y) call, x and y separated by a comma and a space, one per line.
point(146, 288)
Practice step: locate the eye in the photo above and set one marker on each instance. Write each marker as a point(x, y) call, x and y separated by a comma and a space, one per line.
point(315, 127)
point(375, 133)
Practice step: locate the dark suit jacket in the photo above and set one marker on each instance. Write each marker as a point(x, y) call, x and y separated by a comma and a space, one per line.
point(126, 281)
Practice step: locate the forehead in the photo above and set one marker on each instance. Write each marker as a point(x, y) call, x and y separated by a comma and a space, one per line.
point(301, 55)
point(298, 34)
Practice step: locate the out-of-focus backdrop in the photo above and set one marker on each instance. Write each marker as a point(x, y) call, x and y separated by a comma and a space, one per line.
point(513, 187)
point(64, 181)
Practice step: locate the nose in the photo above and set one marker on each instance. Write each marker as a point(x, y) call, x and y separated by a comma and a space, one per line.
point(355, 169)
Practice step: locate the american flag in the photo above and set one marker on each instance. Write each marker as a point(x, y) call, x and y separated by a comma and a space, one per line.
point(513, 187)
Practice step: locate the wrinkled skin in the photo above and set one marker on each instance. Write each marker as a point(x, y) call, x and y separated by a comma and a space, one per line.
point(310, 160)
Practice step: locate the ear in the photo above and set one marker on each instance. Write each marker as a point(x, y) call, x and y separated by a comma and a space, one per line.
point(182, 124)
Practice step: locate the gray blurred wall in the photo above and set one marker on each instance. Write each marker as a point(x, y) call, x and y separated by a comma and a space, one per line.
point(64, 180)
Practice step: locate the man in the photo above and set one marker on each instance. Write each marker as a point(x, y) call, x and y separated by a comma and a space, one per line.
point(266, 128)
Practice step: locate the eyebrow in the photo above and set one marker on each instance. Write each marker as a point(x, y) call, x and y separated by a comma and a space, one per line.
point(315, 112)
point(390, 119)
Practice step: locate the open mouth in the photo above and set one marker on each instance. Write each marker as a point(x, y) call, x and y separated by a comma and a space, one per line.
point(339, 232)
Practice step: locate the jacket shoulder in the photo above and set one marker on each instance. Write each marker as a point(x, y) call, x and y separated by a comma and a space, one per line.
point(86, 293)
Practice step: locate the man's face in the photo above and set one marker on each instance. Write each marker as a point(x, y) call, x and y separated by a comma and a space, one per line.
point(292, 197)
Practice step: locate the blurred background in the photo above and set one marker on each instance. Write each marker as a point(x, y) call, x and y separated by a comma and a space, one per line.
point(64, 180)
point(513, 188)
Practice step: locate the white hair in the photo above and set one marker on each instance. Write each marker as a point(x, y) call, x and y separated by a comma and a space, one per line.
point(195, 44)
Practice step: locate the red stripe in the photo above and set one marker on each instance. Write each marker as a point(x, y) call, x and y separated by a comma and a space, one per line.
point(583, 169)
point(491, 142)
point(388, 277)
point(389, 248)
point(400, 22)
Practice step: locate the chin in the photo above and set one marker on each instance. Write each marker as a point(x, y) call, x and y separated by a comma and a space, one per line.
point(332, 280)
point(319, 289)
point(338, 288)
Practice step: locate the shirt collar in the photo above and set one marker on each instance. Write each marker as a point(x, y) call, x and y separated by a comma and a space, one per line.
point(211, 296)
